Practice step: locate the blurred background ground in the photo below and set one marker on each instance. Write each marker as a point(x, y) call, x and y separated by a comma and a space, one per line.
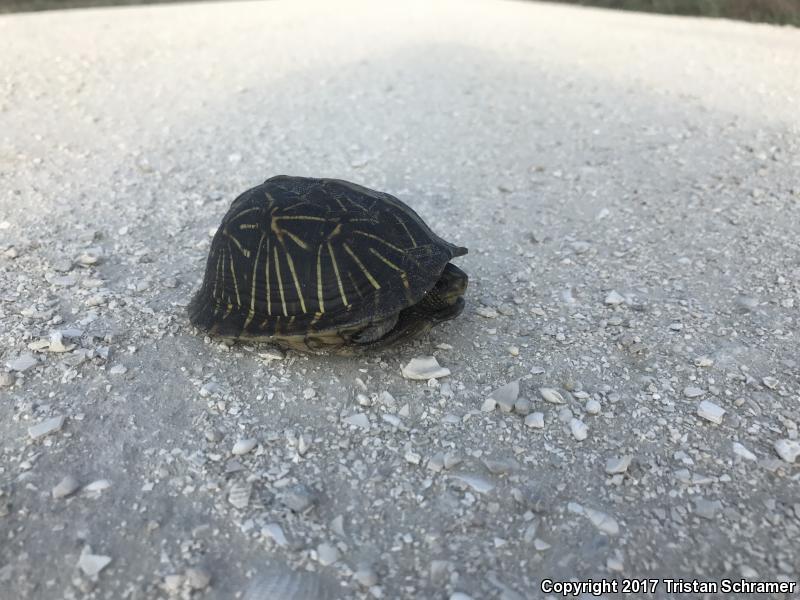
point(759, 11)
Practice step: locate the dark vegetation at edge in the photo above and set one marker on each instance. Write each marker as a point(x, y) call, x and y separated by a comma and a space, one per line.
point(766, 11)
point(784, 12)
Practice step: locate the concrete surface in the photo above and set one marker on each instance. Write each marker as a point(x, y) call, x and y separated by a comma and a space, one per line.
point(628, 188)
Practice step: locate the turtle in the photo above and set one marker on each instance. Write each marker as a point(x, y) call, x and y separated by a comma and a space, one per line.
point(325, 265)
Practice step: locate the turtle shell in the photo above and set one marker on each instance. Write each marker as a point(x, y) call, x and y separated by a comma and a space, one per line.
point(298, 256)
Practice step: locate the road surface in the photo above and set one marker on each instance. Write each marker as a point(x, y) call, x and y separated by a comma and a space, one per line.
point(628, 189)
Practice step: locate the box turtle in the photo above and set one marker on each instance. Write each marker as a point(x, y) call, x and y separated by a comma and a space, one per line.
point(318, 264)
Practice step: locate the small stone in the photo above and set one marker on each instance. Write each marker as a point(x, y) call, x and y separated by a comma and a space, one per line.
point(613, 298)
point(540, 545)
point(239, 495)
point(748, 572)
point(66, 487)
point(523, 406)
point(565, 415)
point(614, 563)
point(56, 343)
point(244, 446)
point(604, 522)
point(535, 420)
point(118, 370)
point(788, 450)
point(197, 579)
point(275, 532)
point(506, 395)
point(392, 420)
point(387, 399)
point(578, 429)
point(740, 450)
point(213, 435)
point(551, 395)
point(706, 509)
point(22, 363)
point(366, 576)
point(770, 382)
point(97, 486)
point(692, 392)
point(173, 583)
point(436, 462)
point(46, 427)
point(7, 379)
point(413, 457)
point(477, 482)
point(486, 312)
point(451, 460)
point(703, 361)
point(363, 400)
point(92, 564)
point(359, 420)
point(460, 596)
point(424, 368)
point(327, 554)
point(593, 407)
point(513, 350)
point(298, 498)
point(303, 445)
point(489, 405)
point(618, 464)
point(710, 412)
point(309, 393)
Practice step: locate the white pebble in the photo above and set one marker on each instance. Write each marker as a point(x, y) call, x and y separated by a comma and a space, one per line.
point(488, 313)
point(424, 368)
point(413, 457)
point(327, 554)
point(239, 496)
point(604, 522)
point(92, 564)
point(489, 405)
point(244, 446)
point(366, 577)
point(359, 420)
point(66, 487)
point(740, 450)
point(506, 395)
point(788, 450)
point(535, 420)
point(579, 429)
point(97, 486)
point(593, 407)
point(197, 579)
point(710, 411)
point(477, 482)
point(23, 363)
point(551, 395)
point(613, 298)
point(618, 464)
point(692, 392)
point(46, 427)
point(275, 533)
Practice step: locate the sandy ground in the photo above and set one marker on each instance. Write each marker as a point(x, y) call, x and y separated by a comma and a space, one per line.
point(628, 188)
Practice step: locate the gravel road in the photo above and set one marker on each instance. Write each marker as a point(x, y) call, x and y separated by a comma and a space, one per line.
point(623, 396)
